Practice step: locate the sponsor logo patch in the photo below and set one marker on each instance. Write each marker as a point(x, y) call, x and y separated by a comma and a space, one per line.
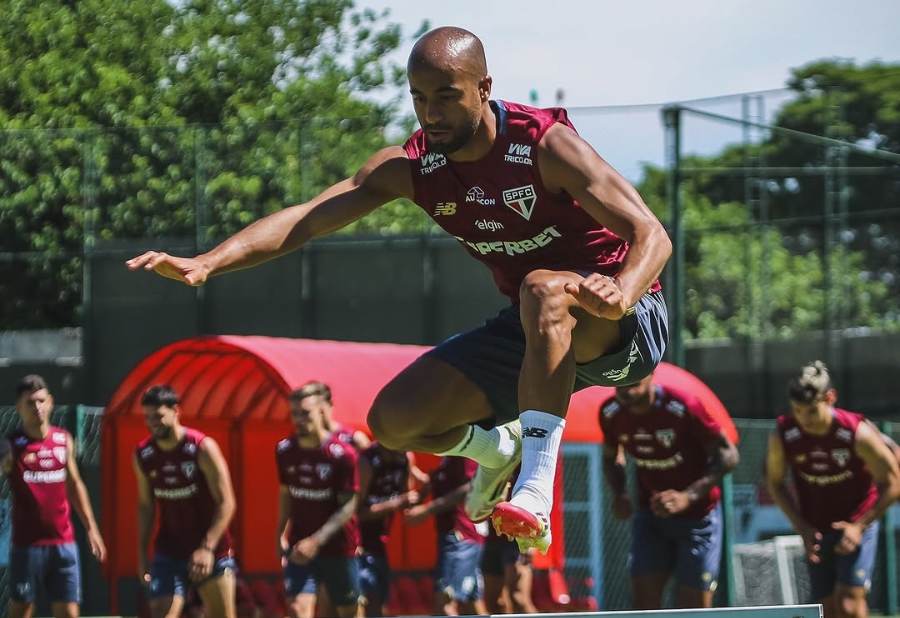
point(518, 153)
point(534, 432)
point(475, 195)
point(431, 162)
point(514, 247)
point(444, 209)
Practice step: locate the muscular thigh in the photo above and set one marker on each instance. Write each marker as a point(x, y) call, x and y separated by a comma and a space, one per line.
point(431, 396)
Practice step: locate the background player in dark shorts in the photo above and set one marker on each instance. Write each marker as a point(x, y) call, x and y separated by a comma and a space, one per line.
point(575, 249)
point(182, 474)
point(317, 531)
point(845, 476)
point(385, 488)
point(458, 583)
point(680, 454)
point(39, 461)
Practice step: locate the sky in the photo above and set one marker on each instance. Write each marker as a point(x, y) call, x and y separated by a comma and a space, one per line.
point(603, 53)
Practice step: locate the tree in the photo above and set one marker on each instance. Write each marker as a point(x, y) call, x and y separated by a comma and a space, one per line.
point(123, 120)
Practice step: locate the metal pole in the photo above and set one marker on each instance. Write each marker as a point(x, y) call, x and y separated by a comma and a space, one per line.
point(89, 238)
point(672, 122)
point(888, 531)
point(728, 539)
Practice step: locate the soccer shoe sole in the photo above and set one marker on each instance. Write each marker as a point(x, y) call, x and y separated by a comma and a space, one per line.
point(489, 484)
point(529, 530)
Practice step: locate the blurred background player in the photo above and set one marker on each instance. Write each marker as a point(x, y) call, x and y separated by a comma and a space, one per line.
point(458, 582)
point(182, 472)
point(507, 576)
point(385, 488)
point(680, 454)
point(845, 477)
point(358, 439)
point(39, 461)
point(318, 534)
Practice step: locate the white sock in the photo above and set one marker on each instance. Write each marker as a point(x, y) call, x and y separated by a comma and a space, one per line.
point(491, 448)
point(541, 435)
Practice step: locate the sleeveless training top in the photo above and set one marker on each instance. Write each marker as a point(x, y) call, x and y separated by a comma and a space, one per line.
point(831, 480)
point(500, 211)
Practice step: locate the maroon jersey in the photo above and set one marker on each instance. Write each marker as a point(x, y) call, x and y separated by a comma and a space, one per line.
point(185, 504)
point(390, 478)
point(831, 480)
point(450, 474)
point(499, 209)
point(40, 502)
point(315, 477)
point(668, 443)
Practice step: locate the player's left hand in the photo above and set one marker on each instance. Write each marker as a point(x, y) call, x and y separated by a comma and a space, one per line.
point(304, 550)
point(600, 296)
point(669, 502)
point(851, 538)
point(98, 548)
point(201, 564)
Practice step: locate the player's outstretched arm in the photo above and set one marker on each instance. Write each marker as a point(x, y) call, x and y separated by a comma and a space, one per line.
point(383, 178)
point(568, 164)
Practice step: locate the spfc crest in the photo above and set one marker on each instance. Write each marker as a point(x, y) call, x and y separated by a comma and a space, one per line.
point(323, 470)
point(665, 437)
point(60, 453)
point(188, 468)
point(841, 456)
point(521, 199)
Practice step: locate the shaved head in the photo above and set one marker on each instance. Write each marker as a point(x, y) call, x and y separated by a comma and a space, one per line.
point(449, 49)
point(450, 86)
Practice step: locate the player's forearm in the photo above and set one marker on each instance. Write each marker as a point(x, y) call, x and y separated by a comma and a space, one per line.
point(724, 460)
point(270, 237)
point(887, 494)
point(221, 519)
point(82, 504)
point(145, 529)
point(648, 253)
point(337, 521)
point(615, 475)
point(379, 510)
point(448, 502)
point(786, 504)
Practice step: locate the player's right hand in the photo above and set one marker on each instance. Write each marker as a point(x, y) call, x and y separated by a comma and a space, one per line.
point(191, 271)
point(621, 507)
point(812, 542)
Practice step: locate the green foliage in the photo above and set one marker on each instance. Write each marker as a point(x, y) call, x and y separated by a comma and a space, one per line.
point(751, 277)
point(124, 120)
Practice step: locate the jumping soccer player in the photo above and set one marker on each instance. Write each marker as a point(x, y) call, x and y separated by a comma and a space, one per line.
point(567, 239)
point(182, 471)
point(39, 461)
point(317, 532)
point(681, 455)
point(845, 477)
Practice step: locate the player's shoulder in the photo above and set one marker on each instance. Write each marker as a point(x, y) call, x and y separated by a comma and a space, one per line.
point(145, 449)
point(610, 409)
point(284, 446)
point(340, 451)
point(680, 403)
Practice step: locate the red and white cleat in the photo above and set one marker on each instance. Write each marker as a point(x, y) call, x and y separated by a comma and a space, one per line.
point(530, 530)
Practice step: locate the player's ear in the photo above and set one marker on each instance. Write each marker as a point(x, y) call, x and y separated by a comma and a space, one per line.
point(484, 87)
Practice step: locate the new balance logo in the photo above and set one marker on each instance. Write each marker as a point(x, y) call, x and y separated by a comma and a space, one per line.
point(445, 209)
point(534, 432)
point(518, 153)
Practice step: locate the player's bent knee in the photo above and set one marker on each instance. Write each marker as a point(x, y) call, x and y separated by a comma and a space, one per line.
point(392, 424)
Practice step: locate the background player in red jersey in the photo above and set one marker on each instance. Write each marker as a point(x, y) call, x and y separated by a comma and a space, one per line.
point(39, 460)
point(183, 473)
point(507, 577)
point(459, 588)
point(317, 530)
point(567, 239)
point(845, 477)
point(681, 454)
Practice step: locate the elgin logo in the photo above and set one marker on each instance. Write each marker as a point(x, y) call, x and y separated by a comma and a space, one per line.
point(444, 209)
point(518, 153)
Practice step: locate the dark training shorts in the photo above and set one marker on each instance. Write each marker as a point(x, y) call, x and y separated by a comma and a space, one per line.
point(52, 568)
point(853, 570)
point(169, 576)
point(491, 355)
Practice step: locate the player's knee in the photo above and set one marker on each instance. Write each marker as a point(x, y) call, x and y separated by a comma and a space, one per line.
point(542, 294)
point(391, 422)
